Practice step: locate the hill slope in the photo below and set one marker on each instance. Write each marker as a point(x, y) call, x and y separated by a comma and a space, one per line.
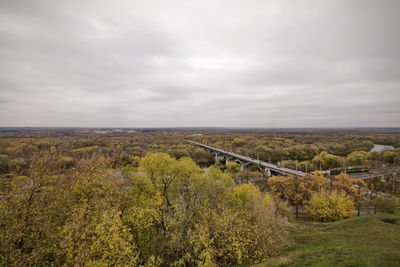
point(359, 241)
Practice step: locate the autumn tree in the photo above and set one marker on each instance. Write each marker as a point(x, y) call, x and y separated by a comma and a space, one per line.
point(354, 188)
point(179, 215)
point(288, 189)
point(326, 161)
point(233, 167)
point(330, 206)
point(296, 190)
point(32, 209)
point(357, 158)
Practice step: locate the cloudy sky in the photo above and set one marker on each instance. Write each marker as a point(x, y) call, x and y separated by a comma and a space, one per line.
point(148, 63)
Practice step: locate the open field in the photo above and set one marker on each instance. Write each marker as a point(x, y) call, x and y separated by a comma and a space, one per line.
point(360, 241)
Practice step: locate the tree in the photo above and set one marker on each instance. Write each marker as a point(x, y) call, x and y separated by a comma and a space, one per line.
point(264, 152)
point(392, 184)
point(389, 156)
point(163, 212)
point(66, 162)
point(354, 188)
point(112, 242)
point(287, 188)
point(312, 183)
point(181, 214)
point(331, 206)
point(299, 152)
point(386, 204)
point(233, 167)
point(18, 165)
point(357, 158)
point(326, 161)
point(3, 163)
point(296, 190)
point(375, 157)
point(238, 141)
point(32, 209)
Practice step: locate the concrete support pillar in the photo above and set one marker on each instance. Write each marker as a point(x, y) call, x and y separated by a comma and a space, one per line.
point(267, 172)
point(216, 158)
point(242, 165)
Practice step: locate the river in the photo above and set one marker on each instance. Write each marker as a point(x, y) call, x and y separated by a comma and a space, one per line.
point(379, 148)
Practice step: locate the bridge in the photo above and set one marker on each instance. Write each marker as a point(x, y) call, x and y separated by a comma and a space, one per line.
point(266, 168)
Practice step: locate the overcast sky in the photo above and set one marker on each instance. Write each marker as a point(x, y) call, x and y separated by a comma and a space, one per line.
point(200, 63)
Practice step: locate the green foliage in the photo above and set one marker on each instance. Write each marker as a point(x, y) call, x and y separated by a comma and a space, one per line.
point(389, 156)
point(300, 152)
point(326, 161)
point(18, 165)
point(3, 163)
point(388, 205)
point(357, 158)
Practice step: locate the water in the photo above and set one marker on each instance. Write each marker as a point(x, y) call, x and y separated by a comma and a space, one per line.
point(380, 148)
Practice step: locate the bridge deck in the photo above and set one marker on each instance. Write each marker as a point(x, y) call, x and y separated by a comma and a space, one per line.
point(262, 164)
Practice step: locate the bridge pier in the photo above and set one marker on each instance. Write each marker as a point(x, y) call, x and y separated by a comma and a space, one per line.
point(227, 160)
point(266, 171)
point(216, 157)
point(242, 165)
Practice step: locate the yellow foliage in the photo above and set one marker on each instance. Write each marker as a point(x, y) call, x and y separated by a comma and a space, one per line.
point(112, 242)
point(332, 206)
point(244, 195)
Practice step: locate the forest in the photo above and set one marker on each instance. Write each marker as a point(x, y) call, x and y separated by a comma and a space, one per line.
point(90, 197)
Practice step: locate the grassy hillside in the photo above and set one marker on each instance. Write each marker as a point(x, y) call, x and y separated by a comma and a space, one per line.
point(360, 241)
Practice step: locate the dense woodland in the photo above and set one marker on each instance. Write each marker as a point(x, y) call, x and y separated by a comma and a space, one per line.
point(308, 151)
point(140, 198)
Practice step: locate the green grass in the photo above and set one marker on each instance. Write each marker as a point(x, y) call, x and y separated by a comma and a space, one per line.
point(359, 241)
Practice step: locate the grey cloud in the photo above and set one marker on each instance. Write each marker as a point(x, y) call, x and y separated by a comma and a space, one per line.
point(189, 63)
point(4, 100)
